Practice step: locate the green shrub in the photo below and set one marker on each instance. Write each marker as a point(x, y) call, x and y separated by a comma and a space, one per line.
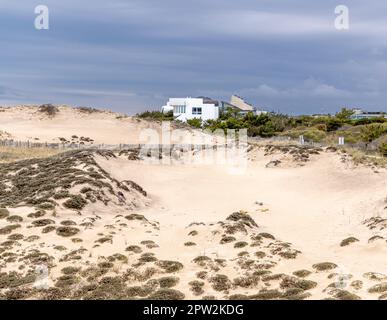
point(42, 222)
point(3, 213)
point(48, 109)
point(195, 122)
point(372, 131)
point(240, 244)
point(67, 231)
point(310, 134)
point(14, 218)
point(348, 241)
point(323, 266)
point(8, 229)
point(220, 282)
point(168, 282)
point(156, 115)
point(76, 202)
point(167, 294)
point(383, 149)
point(302, 273)
point(170, 266)
point(378, 288)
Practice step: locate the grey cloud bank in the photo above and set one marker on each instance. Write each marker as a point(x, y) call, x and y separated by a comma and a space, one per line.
point(132, 55)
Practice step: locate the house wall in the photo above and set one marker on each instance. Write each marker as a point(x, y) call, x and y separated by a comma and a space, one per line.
point(209, 111)
point(240, 103)
point(367, 116)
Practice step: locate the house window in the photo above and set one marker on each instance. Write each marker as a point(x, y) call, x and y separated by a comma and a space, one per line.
point(179, 109)
point(197, 111)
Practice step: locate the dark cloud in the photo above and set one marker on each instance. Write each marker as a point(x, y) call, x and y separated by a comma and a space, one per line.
point(132, 55)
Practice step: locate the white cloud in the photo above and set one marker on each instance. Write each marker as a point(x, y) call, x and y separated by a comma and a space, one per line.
point(255, 23)
point(93, 92)
point(308, 88)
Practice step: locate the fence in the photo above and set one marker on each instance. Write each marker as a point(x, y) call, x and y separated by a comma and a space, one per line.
point(74, 146)
point(289, 140)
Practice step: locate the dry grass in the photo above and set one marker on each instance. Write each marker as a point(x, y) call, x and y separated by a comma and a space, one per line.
point(9, 154)
point(361, 157)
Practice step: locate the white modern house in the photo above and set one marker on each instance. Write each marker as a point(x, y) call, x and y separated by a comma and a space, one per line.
point(206, 108)
point(189, 108)
point(241, 106)
point(361, 114)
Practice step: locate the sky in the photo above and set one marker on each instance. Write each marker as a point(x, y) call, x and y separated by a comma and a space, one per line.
point(132, 55)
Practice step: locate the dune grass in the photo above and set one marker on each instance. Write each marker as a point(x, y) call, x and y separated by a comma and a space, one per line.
point(10, 154)
point(362, 157)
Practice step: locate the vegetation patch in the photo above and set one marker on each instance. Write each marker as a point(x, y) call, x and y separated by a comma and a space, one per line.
point(378, 288)
point(293, 282)
point(40, 182)
point(42, 222)
point(240, 244)
point(37, 214)
point(260, 254)
point(249, 281)
point(227, 239)
point(3, 213)
point(48, 109)
point(302, 273)
point(76, 202)
point(70, 270)
point(67, 231)
point(167, 294)
point(14, 279)
point(348, 241)
point(345, 295)
point(168, 282)
point(135, 216)
point(147, 257)
point(15, 236)
point(196, 287)
point(68, 223)
point(170, 266)
point(220, 282)
point(266, 294)
point(48, 229)
point(134, 249)
point(324, 266)
point(66, 281)
point(8, 229)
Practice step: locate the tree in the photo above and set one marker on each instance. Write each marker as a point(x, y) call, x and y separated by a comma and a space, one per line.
point(372, 131)
point(344, 114)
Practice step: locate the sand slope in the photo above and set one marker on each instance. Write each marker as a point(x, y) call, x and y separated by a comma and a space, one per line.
point(102, 127)
point(314, 206)
point(294, 223)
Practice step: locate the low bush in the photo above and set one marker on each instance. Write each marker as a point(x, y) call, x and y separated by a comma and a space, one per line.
point(76, 202)
point(167, 294)
point(66, 231)
point(168, 282)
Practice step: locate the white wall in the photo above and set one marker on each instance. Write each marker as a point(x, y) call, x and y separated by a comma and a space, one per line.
point(209, 111)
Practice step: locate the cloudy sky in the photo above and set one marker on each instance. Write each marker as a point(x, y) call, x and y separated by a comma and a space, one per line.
point(131, 55)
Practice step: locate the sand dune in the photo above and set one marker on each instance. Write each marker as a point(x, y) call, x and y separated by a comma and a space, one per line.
point(294, 223)
point(96, 126)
